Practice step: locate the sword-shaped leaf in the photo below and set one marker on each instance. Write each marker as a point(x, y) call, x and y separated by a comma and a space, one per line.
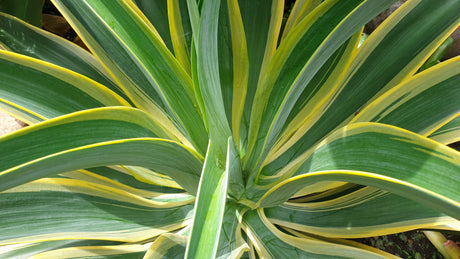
point(367, 212)
point(209, 208)
point(34, 90)
point(167, 246)
point(296, 62)
point(381, 156)
point(448, 133)
point(22, 38)
point(65, 209)
point(136, 56)
point(417, 28)
point(270, 242)
point(421, 104)
point(101, 135)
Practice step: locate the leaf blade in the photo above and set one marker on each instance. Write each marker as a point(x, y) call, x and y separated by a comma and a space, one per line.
point(209, 210)
point(151, 77)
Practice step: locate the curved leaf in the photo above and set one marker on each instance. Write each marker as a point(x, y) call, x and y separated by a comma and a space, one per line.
point(116, 251)
point(231, 242)
point(118, 35)
point(152, 179)
point(35, 90)
point(417, 28)
point(106, 136)
point(366, 212)
point(155, 194)
point(159, 154)
point(448, 133)
point(19, 251)
point(270, 242)
point(295, 63)
point(31, 41)
point(209, 210)
point(126, 175)
point(381, 156)
point(60, 209)
point(421, 104)
point(167, 246)
point(74, 130)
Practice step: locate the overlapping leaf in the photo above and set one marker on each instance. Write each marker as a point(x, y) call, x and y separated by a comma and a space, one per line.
point(107, 136)
point(60, 209)
point(295, 63)
point(139, 60)
point(204, 71)
point(427, 22)
point(20, 37)
point(34, 90)
point(366, 212)
point(382, 156)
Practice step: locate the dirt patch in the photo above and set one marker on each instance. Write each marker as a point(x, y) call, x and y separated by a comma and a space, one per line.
point(411, 244)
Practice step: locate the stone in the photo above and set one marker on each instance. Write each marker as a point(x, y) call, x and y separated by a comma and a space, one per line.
point(9, 124)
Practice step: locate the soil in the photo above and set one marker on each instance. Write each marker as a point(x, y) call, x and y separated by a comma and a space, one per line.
point(411, 244)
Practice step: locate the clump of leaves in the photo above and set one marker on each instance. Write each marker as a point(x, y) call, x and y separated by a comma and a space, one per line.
point(200, 129)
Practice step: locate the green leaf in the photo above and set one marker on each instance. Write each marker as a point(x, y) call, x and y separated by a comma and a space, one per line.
point(117, 33)
point(34, 90)
point(436, 57)
point(60, 209)
point(231, 242)
point(74, 130)
point(18, 251)
point(262, 22)
point(366, 212)
point(30, 10)
point(233, 64)
point(295, 63)
point(301, 9)
point(313, 99)
point(381, 156)
point(421, 104)
point(194, 14)
point(28, 40)
point(426, 23)
point(167, 246)
point(270, 242)
point(157, 13)
point(448, 133)
point(209, 208)
point(103, 136)
point(236, 185)
point(135, 177)
point(159, 154)
point(209, 79)
point(419, 27)
point(181, 32)
point(154, 193)
point(132, 251)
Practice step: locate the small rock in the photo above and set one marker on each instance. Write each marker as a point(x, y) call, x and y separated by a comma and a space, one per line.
point(9, 124)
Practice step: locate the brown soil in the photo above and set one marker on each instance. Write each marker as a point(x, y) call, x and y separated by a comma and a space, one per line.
point(412, 244)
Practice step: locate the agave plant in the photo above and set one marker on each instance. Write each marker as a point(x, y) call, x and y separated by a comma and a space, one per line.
point(205, 129)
